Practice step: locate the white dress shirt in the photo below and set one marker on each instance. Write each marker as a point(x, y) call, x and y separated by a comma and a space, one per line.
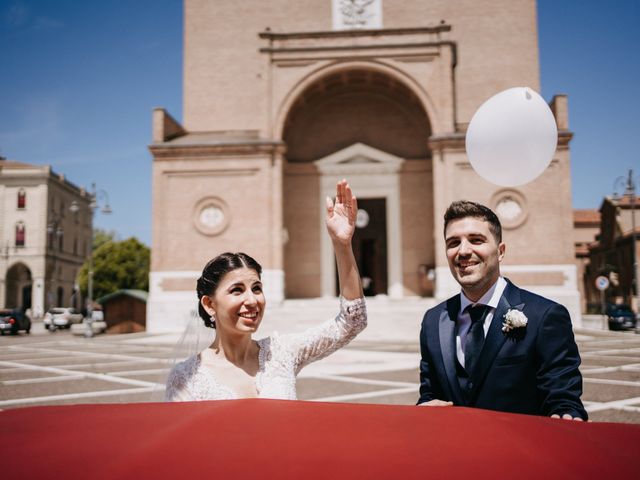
point(463, 322)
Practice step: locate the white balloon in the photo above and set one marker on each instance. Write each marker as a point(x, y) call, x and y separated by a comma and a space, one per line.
point(512, 137)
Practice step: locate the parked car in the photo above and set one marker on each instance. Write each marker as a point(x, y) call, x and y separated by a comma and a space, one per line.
point(13, 321)
point(621, 317)
point(59, 317)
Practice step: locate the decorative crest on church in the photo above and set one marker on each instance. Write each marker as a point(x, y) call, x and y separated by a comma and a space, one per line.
point(357, 14)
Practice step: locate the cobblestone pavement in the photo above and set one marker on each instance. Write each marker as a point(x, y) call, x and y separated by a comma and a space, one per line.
point(57, 368)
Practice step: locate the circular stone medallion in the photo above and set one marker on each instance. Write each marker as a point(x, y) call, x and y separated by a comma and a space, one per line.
point(511, 208)
point(211, 216)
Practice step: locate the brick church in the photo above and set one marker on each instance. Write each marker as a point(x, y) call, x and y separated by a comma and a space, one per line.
point(282, 99)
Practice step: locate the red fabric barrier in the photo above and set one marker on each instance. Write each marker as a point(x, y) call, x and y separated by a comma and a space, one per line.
point(271, 439)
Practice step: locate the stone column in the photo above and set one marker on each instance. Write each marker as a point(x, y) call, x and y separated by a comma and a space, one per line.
point(37, 298)
point(3, 291)
point(445, 149)
point(274, 275)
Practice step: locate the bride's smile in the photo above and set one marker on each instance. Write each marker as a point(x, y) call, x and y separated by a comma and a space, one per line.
point(250, 318)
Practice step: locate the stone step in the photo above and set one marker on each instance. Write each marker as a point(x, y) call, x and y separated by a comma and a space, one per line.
point(396, 320)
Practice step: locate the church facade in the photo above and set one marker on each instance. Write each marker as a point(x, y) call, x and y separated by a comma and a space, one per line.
point(282, 99)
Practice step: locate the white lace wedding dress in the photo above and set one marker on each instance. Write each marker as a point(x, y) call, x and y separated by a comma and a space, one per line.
point(281, 358)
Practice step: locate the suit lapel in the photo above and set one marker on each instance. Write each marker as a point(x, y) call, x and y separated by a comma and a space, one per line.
point(495, 337)
point(447, 332)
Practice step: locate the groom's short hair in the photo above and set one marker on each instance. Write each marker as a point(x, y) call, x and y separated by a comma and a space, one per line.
point(464, 208)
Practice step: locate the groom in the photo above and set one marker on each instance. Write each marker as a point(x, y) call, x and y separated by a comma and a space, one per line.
point(494, 345)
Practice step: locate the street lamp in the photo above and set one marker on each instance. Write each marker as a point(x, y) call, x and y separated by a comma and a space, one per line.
point(55, 232)
point(629, 186)
point(99, 201)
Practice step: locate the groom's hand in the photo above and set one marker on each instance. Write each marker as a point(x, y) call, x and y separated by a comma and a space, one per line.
point(436, 403)
point(567, 416)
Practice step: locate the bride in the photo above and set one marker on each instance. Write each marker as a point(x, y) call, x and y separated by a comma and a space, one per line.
point(231, 300)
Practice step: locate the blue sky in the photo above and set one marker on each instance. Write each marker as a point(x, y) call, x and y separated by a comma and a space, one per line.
point(79, 80)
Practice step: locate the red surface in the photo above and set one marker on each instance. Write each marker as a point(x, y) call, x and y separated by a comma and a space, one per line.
point(286, 439)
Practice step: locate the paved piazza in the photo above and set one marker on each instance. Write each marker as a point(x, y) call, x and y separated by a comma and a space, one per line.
point(57, 368)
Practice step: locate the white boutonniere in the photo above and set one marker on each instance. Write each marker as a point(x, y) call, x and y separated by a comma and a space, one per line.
point(514, 319)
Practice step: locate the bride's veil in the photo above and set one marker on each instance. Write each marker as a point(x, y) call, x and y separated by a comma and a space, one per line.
point(194, 339)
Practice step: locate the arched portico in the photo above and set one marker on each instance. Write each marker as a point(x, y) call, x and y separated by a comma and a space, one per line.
point(343, 69)
point(18, 287)
point(372, 129)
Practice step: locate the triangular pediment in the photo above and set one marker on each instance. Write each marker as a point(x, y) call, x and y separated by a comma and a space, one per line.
point(357, 158)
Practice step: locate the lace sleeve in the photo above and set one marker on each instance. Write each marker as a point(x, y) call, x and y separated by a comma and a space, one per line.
point(179, 382)
point(320, 341)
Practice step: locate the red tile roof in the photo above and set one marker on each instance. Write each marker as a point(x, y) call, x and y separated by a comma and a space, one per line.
point(586, 216)
point(625, 201)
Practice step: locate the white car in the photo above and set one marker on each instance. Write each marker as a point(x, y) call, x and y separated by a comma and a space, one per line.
point(59, 317)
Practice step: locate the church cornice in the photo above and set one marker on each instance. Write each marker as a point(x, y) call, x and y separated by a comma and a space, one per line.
point(394, 42)
point(564, 137)
point(168, 151)
point(448, 140)
point(344, 48)
point(457, 140)
point(437, 29)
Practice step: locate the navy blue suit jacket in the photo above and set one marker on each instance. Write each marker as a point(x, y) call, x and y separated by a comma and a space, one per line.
point(532, 370)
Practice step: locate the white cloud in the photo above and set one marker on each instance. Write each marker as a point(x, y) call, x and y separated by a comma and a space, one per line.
point(46, 23)
point(17, 15)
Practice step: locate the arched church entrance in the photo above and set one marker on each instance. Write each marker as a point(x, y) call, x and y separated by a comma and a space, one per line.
point(372, 129)
point(18, 284)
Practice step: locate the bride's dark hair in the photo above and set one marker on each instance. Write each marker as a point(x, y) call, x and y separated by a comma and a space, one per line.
point(213, 273)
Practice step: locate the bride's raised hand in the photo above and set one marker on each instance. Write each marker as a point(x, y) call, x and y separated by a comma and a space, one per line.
point(341, 214)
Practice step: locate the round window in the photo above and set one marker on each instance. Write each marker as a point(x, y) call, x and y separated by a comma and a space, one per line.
point(211, 216)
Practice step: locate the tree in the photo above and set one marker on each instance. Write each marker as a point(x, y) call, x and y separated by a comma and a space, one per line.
point(117, 265)
point(100, 237)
